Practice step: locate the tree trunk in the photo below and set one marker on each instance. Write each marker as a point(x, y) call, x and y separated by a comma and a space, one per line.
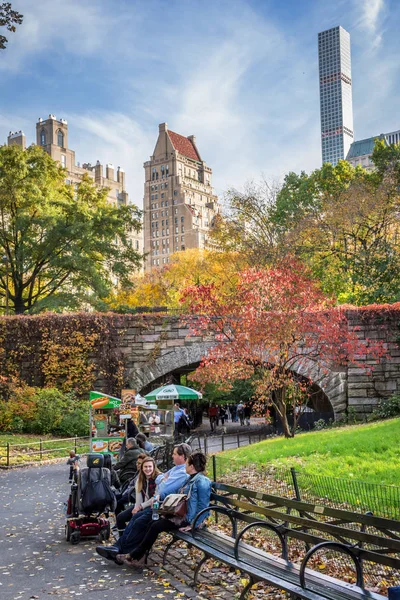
point(280, 404)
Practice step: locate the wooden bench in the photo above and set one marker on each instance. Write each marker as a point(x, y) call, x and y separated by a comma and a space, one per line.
point(366, 543)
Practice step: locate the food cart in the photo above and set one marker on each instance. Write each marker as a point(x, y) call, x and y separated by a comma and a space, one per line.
point(109, 418)
point(105, 424)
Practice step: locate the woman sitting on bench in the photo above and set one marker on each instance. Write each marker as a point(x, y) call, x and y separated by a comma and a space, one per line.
point(198, 490)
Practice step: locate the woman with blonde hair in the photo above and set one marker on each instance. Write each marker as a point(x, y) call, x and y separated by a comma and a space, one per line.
point(146, 484)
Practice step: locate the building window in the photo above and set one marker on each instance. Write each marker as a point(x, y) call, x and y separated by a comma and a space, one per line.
point(182, 219)
point(63, 160)
point(166, 173)
point(153, 175)
point(175, 192)
point(43, 138)
point(60, 139)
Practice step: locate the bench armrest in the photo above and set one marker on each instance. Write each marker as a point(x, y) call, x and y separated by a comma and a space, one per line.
point(334, 546)
point(217, 509)
point(265, 525)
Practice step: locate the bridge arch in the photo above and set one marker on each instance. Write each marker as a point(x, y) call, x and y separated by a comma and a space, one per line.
point(331, 383)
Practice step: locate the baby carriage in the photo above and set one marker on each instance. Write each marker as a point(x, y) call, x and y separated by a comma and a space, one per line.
point(90, 501)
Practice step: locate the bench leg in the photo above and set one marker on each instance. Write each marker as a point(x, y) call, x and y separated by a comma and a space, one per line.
point(169, 545)
point(198, 569)
point(247, 588)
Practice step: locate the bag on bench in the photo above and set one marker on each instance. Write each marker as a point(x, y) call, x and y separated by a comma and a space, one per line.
point(174, 505)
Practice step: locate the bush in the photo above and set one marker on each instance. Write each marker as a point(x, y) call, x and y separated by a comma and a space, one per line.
point(44, 411)
point(320, 424)
point(387, 408)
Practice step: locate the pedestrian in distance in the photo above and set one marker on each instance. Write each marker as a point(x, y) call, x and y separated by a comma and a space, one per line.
point(247, 413)
point(240, 413)
point(222, 414)
point(212, 415)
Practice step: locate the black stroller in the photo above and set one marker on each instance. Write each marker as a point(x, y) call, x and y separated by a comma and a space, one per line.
point(90, 501)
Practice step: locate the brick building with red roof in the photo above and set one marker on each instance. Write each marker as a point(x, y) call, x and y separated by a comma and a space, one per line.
point(179, 201)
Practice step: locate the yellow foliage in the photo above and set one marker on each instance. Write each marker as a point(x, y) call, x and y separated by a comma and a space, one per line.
point(163, 286)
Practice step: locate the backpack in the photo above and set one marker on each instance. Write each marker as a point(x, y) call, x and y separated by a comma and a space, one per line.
point(97, 495)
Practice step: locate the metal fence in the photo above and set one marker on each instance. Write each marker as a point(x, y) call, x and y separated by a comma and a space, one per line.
point(30, 453)
point(358, 496)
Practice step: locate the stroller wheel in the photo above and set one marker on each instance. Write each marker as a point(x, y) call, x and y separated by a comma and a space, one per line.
point(75, 538)
point(68, 531)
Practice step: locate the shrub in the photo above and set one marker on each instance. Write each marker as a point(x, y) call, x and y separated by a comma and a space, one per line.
point(320, 424)
point(44, 411)
point(387, 408)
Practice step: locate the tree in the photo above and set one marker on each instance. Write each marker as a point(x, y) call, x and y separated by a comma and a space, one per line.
point(163, 286)
point(8, 18)
point(61, 246)
point(247, 226)
point(277, 323)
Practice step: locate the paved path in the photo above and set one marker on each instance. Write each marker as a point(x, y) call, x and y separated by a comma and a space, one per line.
point(37, 563)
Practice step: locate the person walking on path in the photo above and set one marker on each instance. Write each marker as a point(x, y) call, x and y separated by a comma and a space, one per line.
point(222, 414)
point(198, 491)
point(240, 413)
point(247, 413)
point(212, 414)
point(168, 483)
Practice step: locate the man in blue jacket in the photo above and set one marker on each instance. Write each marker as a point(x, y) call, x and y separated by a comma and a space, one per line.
point(168, 483)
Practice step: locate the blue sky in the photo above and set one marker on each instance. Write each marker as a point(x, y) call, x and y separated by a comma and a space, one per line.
point(241, 75)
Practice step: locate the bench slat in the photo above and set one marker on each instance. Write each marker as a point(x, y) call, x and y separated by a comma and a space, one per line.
point(275, 571)
point(378, 522)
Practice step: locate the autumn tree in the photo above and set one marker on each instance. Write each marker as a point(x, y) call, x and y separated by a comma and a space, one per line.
point(61, 247)
point(9, 18)
point(163, 286)
point(276, 325)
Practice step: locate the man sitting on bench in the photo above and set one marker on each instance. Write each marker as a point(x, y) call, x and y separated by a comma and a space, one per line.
point(167, 483)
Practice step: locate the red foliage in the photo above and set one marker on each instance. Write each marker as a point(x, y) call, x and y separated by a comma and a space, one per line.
point(278, 322)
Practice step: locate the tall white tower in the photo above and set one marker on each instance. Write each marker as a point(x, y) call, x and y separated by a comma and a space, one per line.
point(335, 94)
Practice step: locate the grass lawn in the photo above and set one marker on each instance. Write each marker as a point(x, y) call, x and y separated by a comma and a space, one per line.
point(26, 448)
point(368, 452)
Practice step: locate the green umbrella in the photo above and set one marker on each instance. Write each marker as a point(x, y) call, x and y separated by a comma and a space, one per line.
point(174, 392)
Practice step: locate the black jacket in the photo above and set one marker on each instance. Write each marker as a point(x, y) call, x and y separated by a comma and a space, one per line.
point(127, 466)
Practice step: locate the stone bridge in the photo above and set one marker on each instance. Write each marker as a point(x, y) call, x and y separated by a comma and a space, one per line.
point(148, 348)
point(156, 346)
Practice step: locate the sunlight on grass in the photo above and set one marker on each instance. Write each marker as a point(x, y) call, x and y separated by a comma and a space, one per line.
point(368, 452)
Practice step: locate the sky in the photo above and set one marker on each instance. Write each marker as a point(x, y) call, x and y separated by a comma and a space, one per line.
point(240, 75)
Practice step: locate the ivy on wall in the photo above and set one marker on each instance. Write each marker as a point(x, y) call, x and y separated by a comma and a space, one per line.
point(69, 351)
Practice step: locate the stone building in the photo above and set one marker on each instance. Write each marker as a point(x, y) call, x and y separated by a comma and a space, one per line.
point(52, 136)
point(179, 201)
point(360, 153)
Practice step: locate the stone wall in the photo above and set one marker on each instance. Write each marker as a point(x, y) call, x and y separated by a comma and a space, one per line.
point(364, 390)
point(148, 347)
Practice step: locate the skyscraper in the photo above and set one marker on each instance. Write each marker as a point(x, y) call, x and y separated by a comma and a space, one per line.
point(335, 94)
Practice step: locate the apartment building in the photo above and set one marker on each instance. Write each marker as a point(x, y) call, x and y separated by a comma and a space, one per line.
point(179, 201)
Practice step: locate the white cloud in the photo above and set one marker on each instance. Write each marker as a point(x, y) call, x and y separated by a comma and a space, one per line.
point(113, 138)
point(371, 16)
point(56, 28)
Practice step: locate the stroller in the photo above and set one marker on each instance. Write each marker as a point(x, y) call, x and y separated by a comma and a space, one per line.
point(90, 501)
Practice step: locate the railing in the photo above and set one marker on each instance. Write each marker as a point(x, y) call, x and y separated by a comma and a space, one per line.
point(30, 453)
point(211, 443)
point(359, 496)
